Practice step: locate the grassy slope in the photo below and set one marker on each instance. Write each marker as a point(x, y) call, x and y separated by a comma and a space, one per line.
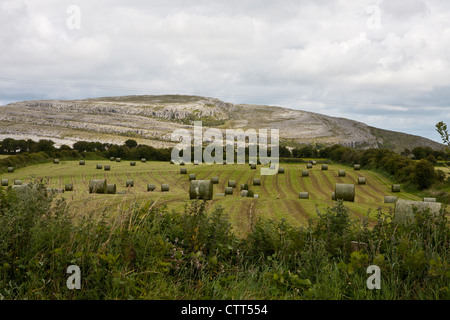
point(278, 195)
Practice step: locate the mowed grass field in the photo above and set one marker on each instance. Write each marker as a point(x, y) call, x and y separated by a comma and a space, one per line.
point(278, 194)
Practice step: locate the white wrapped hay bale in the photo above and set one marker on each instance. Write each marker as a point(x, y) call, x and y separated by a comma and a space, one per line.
point(309, 166)
point(244, 186)
point(345, 192)
point(97, 186)
point(99, 166)
point(195, 162)
point(429, 199)
point(244, 193)
point(118, 159)
point(143, 160)
point(68, 187)
point(56, 161)
point(228, 190)
point(395, 188)
point(361, 180)
point(324, 167)
point(107, 168)
point(314, 162)
point(405, 210)
point(112, 159)
point(232, 183)
point(305, 173)
point(256, 181)
point(164, 188)
point(129, 183)
point(183, 170)
point(280, 170)
point(133, 163)
point(151, 187)
point(341, 173)
point(82, 162)
point(192, 176)
point(357, 167)
point(10, 169)
point(5, 182)
point(201, 189)
point(17, 182)
point(390, 199)
point(303, 195)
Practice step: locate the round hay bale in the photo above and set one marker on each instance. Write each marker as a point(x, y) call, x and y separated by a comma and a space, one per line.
point(253, 166)
point(303, 195)
point(280, 170)
point(195, 162)
point(341, 173)
point(429, 199)
point(133, 163)
point(390, 199)
point(345, 192)
point(111, 188)
point(107, 168)
point(228, 190)
point(333, 196)
point(183, 170)
point(112, 159)
point(244, 193)
point(395, 188)
point(10, 169)
point(59, 190)
point(361, 180)
point(68, 187)
point(82, 162)
point(56, 161)
point(143, 160)
point(99, 166)
point(151, 187)
point(97, 186)
point(215, 180)
point(130, 183)
point(244, 186)
point(314, 162)
point(256, 181)
point(17, 182)
point(232, 183)
point(164, 188)
point(201, 189)
point(309, 166)
point(5, 182)
point(405, 210)
point(118, 160)
point(357, 167)
point(324, 167)
point(192, 176)
point(256, 196)
point(220, 194)
point(305, 173)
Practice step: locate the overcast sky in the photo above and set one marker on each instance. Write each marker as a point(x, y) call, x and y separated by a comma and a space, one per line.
point(384, 63)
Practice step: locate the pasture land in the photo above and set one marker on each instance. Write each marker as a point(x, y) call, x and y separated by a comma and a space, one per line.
point(278, 194)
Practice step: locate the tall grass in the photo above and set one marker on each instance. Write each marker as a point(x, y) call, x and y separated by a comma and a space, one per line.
point(142, 251)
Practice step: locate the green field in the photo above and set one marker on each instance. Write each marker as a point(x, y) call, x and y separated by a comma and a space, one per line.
point(278, 194)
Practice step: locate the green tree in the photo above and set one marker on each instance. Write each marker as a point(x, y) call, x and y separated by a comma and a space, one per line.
point(130, 143)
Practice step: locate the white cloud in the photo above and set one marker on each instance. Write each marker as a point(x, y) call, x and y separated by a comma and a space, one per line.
point(292, 53)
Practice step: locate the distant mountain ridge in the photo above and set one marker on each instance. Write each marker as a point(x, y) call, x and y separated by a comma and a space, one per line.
point(151, 120)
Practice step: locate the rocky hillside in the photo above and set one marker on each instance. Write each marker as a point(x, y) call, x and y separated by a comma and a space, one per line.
point(152, 119)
